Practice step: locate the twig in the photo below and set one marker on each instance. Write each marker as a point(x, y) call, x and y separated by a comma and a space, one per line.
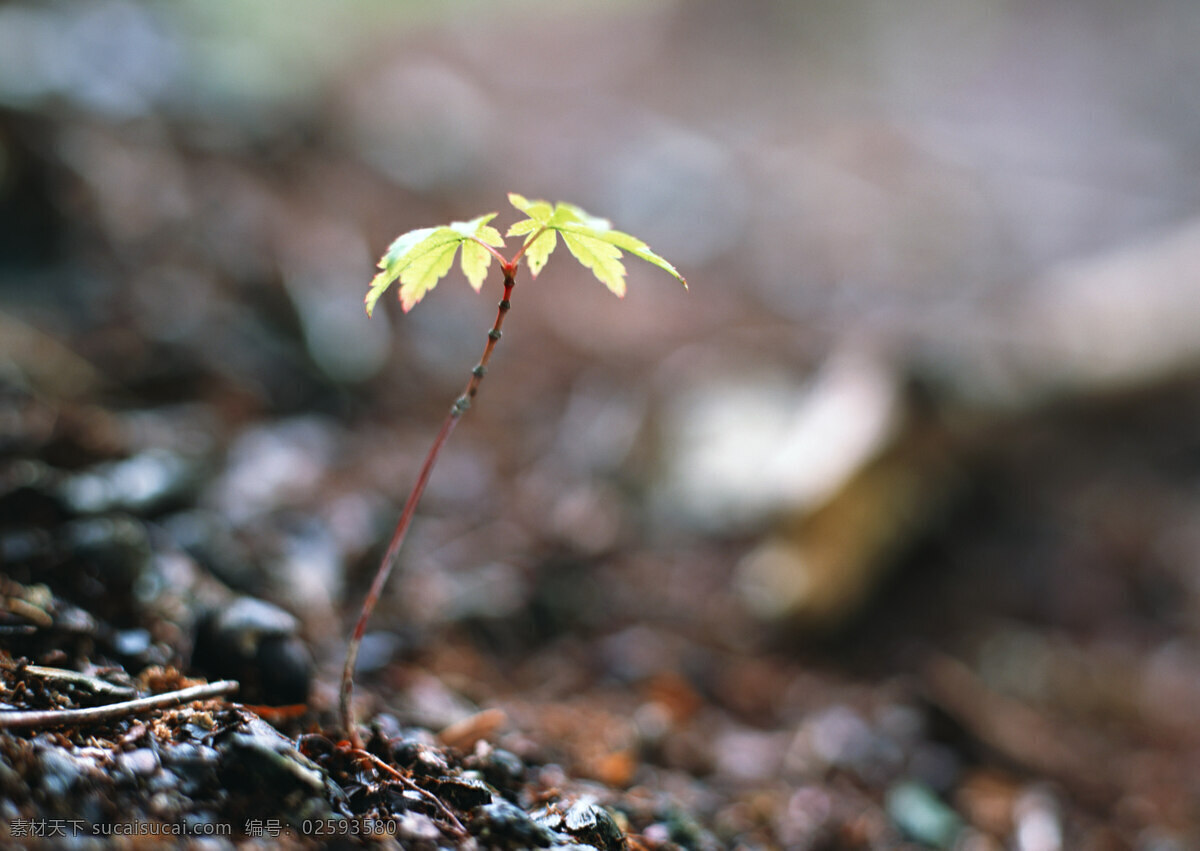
point(65, 717)
point(408, 783)
point(95, 685)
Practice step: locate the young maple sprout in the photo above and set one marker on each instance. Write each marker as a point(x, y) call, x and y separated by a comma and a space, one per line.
point(422, 257)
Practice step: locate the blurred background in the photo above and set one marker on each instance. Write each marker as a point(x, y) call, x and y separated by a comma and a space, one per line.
point(891, 521)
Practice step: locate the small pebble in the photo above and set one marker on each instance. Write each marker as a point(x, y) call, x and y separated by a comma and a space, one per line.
point(131, 642)
point(505, 825)
point(255, 643)
point(142, 762)
point(921, 815)
point(1038, 825)
point(585, 821)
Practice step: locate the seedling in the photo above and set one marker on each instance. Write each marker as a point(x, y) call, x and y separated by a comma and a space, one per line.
point(419, 259)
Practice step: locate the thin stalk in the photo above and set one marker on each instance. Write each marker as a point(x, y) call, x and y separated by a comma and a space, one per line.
point(528, 242)
point(491, 250)
point(460, 406)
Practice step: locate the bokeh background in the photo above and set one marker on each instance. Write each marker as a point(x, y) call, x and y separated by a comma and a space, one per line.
point(887, 530)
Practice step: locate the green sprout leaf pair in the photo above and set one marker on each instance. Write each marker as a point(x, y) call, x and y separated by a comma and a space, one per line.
point(420, 258)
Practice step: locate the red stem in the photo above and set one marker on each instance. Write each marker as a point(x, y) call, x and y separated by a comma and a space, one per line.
point(521, 253)
point(389, 557)
point(492, 251)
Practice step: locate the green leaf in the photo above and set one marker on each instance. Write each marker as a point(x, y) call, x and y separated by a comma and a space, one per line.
point(567, 214)
point(540, 239)
point(476, 258)
point(539, 249)
point(475, 262)
point(393, 260)
point(422, 274)
point(522, 227)
point(589, 238)
point(422, 257)
point(538, 211)
point(478, 227)
point(603, 258)
point(638, 249)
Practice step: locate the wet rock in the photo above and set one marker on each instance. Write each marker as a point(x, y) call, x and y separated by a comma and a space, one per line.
point(143, 762)
point(419, 755)
point(257, 644)
point(271, 466)
point(209, 539)
point(501, 824)
point(417, 829)
point(259, 762)
point(464, 793)
point(132, 642)
point(247, 619)
point(62, 771)
point(585, 822)
point(194, 765)
point(140, 484)
point(502, 769)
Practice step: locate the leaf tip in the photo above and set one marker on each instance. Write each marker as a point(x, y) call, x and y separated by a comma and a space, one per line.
point(408, 300)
